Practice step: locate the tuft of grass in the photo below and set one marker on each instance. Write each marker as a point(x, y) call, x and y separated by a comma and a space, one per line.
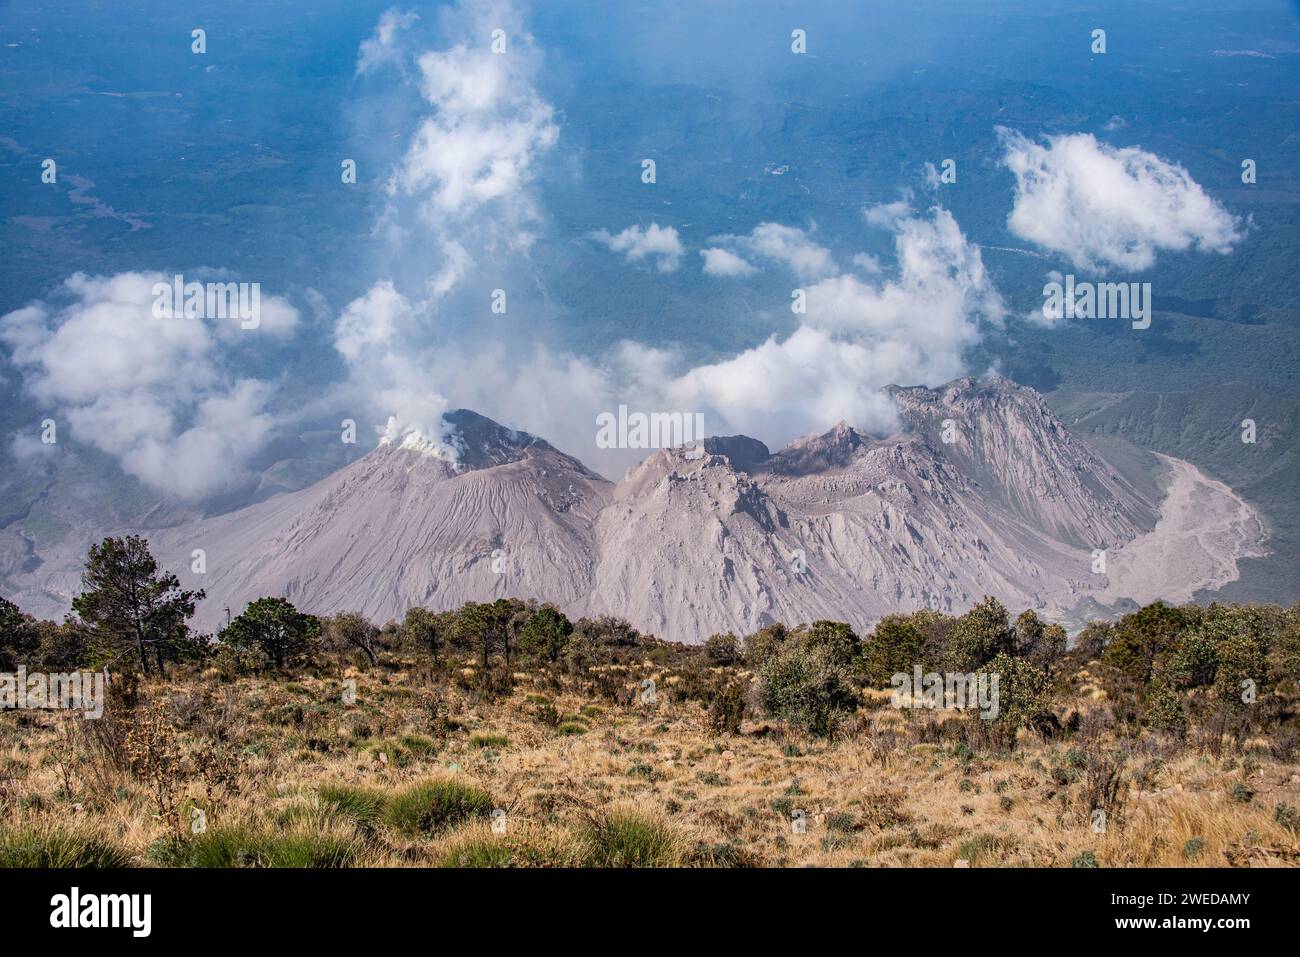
point(479, 851)
point(418, 745)
point(841, 822)
point(729, 854)
point(363, 805)
point(569, 728)
point(488, 741)
point(981, 847)
point(631, 838)
point(433, 807)
point(55, 846)
point(306, 850)
point(642, 770)
point(477, 847)
point(237, 846)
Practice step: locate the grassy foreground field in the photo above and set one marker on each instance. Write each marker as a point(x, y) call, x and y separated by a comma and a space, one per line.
point(423, 768)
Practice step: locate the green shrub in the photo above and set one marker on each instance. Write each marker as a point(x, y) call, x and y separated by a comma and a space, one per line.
point(764, 643)
point(274, 631)
point(642, 770)
point(1166, 709)
point(807, 681)
point(1024, 692)
point(433, 807)
point(305, 850)
point(896, 645)
point(730, 854)
point(480, 851)
point(1138, 639)
point(546, 633)
point(841, 822)
point(723, 649)
point(726, 709)
point(979, 636)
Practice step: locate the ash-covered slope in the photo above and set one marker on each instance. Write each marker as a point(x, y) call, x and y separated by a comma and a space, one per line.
point(984, 493)
point(401, 527)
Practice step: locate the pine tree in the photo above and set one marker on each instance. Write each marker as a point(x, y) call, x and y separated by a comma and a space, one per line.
point(131, 607)
point(276, 629)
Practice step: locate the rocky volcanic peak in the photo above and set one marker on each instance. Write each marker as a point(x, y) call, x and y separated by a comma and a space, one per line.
point(481, 443)
point(817, 453)
point(678, 477)
point(743, 452)
point(1007, 440)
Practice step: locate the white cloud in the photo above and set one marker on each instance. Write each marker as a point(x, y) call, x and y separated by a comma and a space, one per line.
point(228, 428)
point(1038, 316)
point(383, 46)
point(489, 125)
point(887, 215)
point(787, 245)
point(867, 263)
point(660, 243)
point(724, 263)
point(1102, 206)
point(460, 206)
point(156, 393)
point(377, 336)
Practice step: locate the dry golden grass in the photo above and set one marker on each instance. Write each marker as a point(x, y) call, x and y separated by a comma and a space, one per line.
point(636, 784)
